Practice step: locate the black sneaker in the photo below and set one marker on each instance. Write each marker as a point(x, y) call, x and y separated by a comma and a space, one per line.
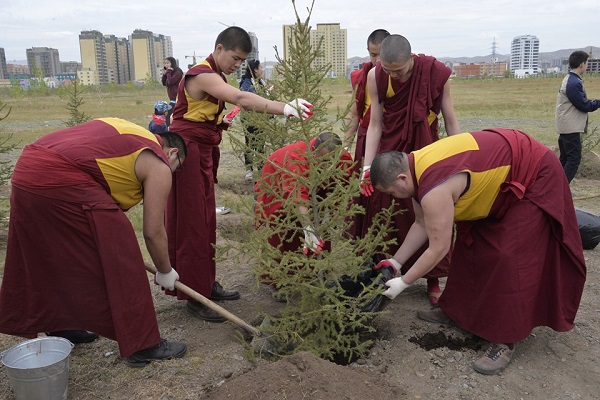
point(165, 350)
point(218, 293)
point(75, 336)
point(201, 311)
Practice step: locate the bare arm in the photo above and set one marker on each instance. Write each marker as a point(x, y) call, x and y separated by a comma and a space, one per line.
point(374, 130)
point(202, 85)
point(435, 218)
point(155, 177)
point(450, 120)
point(352, 126)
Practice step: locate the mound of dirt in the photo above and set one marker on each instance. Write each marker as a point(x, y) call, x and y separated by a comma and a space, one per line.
point(304, 375)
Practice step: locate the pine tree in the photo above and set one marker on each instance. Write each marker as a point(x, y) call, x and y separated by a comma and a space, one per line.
point(74, 94)
point(320, 315)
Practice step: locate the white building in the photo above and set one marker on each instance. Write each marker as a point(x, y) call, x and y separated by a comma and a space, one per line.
point(525, 54)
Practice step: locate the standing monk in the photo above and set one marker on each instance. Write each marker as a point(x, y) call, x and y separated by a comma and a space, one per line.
point(73, 263)
point(407, 92)
point(360, 113)
point(518, 260)
point(198, 117)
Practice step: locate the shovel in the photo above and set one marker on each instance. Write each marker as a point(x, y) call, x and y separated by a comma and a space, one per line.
point(204, 301)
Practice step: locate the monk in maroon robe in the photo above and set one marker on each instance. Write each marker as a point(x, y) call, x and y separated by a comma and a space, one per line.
point(518, 259)
point(408, 92)
point(73, 263)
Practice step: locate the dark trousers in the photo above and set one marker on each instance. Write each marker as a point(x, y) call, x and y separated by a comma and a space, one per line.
point(569, 145)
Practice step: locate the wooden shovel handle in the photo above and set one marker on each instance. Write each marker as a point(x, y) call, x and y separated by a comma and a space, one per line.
point(213, 306)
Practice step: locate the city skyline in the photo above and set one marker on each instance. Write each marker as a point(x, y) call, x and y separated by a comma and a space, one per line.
point(468, 29)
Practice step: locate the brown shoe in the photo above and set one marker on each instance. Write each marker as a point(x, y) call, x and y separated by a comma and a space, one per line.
point(435, 315)
point(495, 359)
point(201, 311)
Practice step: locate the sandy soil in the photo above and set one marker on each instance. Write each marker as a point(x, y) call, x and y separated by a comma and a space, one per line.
point(411, 359)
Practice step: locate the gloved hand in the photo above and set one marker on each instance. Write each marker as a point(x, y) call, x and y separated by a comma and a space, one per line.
point(366, 187)
point(167, 281)
point(390, 262)
point(396, 286)
point(298, 108)
point(312, 242)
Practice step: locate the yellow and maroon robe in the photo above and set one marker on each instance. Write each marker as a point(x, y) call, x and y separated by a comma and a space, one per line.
point(409, 123)
point(73, 260)
point(518, 260)
point(191, 216)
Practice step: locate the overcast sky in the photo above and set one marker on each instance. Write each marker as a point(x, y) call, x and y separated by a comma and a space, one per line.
point(439, 28)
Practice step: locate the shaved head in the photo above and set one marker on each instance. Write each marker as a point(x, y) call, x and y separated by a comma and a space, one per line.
point(395, 48)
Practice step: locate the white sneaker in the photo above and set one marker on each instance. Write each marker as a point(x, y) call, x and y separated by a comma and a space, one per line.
point(249, 176)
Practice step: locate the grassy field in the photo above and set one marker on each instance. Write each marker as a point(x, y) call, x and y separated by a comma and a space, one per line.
point(525, 104)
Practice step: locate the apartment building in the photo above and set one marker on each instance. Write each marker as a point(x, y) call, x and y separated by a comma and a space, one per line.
point(525, 55)
point(117, 59)
point(45, 59)
point(94, 67)
point(3, 67)
point(333, 41)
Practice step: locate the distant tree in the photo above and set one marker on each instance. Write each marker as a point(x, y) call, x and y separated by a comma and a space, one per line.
point(74, 96)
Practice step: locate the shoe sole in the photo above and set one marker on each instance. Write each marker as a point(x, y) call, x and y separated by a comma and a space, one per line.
point(143, 363)
point(213, 320)
point(447, 322)
point(225, 298)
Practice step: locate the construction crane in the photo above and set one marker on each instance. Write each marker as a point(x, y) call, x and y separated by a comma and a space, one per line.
point(193, 57)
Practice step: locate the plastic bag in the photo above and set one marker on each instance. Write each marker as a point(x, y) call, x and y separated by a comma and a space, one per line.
point(589, 228)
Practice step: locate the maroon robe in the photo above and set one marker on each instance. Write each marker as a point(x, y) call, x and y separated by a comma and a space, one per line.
point(405, 127)
point(523, 265)
point(73, 260)
point(191, 210)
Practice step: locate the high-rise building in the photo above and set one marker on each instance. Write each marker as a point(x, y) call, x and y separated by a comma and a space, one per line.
point(92, 47)
point(334, 47)
point(3, 68)
point(143, 57)
point(524, 55)
point(44, 58)
point(117, 59)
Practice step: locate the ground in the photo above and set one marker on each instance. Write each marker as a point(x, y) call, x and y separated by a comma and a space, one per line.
point(411, 359)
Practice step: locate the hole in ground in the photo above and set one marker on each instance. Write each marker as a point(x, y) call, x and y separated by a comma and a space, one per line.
point(434, 340)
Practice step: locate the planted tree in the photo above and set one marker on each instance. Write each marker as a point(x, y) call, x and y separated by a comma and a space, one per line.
point(333, 296)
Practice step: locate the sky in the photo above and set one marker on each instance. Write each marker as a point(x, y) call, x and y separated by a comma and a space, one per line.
point(464, 28)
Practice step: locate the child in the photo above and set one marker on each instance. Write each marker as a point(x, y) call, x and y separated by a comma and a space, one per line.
point(159, 119)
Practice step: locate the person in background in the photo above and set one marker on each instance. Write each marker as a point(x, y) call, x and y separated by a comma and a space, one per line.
point(572, 108)
point(360, 113)
point(254, 142)
point(171, 77)
point(198, 117)
point(158, 124)
point(518, 260)
point(407, 93)
point(85, 275)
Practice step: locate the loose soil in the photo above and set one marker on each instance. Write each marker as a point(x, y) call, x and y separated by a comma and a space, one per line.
point(411, 359)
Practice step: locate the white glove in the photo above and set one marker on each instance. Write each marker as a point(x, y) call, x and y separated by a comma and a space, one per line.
point(298, 108)
point(167, 281)
point(311, 241)
point(396, 286)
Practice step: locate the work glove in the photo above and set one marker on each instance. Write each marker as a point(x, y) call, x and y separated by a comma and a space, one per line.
point(312, 242)
point(366, 187)
point(298, 108)
point(396, 286)
point(389, 262)
point(167, 281)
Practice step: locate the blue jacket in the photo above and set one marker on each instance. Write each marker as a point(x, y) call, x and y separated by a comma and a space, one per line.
point(573, 106)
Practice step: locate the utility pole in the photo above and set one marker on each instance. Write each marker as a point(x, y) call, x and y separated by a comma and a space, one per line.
point(193, 57)
point(494, 48)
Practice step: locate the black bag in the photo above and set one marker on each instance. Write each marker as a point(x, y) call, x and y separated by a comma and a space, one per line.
point(589, 228)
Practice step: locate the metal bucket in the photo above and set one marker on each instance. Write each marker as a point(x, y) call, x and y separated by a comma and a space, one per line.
point(39, 368)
